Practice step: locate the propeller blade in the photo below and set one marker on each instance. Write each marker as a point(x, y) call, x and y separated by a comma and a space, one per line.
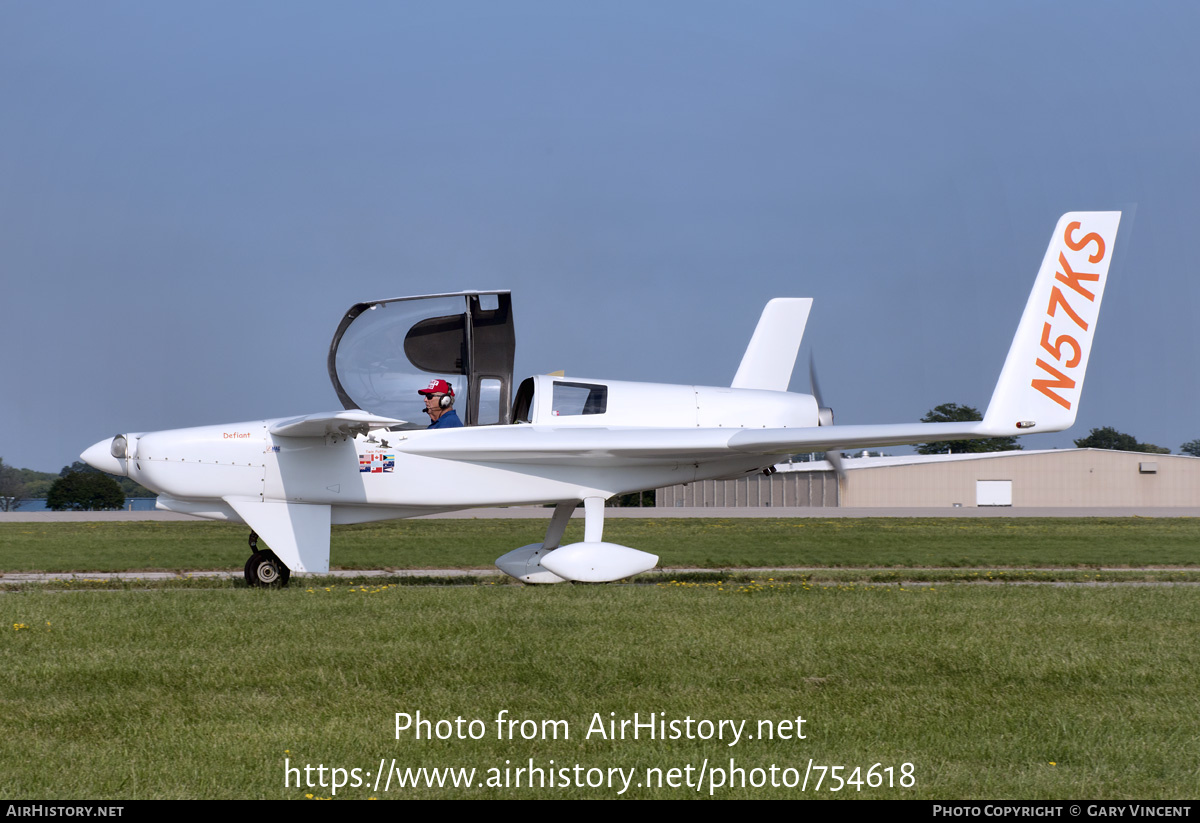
point(812, 378)
point(824, 413)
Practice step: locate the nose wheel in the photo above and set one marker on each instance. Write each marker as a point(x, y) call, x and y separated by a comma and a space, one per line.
point(264, 569)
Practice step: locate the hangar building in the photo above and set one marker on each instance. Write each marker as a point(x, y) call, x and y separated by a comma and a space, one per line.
point(1051, 478)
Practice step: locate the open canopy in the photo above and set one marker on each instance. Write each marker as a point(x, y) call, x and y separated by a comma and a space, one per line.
point(385, 350)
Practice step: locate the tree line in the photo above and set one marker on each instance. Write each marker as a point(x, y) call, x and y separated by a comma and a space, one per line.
point(1104, 437)
point(77, 487)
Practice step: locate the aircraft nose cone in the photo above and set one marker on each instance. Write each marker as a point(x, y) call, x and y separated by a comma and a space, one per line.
point(99, 456)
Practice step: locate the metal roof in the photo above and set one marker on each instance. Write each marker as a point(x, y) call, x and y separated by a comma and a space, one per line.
point(850, 463)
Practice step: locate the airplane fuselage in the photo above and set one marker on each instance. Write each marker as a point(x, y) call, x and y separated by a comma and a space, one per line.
point(368, 478)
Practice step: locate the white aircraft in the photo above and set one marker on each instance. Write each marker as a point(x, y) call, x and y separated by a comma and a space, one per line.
point(563, 440)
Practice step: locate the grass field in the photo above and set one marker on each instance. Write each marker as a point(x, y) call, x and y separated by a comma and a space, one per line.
point(701, 543)
point(988, 691)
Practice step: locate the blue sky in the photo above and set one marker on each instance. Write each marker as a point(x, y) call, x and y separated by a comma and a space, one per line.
point(191, 195)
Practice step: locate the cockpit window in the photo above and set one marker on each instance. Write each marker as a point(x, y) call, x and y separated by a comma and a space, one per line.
point(385, 351)
point(523, 405)
point(489, 401)
point(579, 398)
point(383, 359)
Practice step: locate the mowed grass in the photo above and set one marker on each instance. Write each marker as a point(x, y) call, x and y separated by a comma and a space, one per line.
point(701, 543)
point(990, 692)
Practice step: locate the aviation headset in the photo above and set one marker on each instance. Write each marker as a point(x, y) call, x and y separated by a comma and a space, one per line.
point(446, 400)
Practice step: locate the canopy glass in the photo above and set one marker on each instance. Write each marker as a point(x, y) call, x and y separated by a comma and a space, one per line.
point(385, 350)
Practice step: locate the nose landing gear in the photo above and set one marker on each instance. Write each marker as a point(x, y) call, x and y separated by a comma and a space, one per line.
point(264, 569)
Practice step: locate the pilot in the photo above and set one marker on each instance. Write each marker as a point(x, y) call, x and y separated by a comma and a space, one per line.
point(439, 405)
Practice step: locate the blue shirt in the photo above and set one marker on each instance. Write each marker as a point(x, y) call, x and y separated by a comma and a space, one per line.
point(448, 420)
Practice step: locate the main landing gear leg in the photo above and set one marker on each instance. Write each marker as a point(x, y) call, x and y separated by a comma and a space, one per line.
point(593, 560)
point(525, 563)
point(558, 524)
point(593, 519)
point(264, 569)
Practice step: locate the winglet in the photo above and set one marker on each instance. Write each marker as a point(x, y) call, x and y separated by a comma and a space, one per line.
point(1042, 379)
point(771, 355)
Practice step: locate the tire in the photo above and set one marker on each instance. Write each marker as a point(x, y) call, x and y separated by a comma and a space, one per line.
point(265, 570)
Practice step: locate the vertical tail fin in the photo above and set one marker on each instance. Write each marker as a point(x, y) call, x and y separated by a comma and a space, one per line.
point(771, 355)
point(1042, 379)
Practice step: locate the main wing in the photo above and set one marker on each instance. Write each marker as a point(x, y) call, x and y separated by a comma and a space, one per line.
point(615, 447)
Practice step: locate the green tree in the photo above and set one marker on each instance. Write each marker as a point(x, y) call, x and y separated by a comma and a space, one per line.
point(1107, 437)
point(954, 413)
point(11, 488)
point(645, 498)
point(1191, 447)
point(37, 484)
point(130, 487)
point(85, 491)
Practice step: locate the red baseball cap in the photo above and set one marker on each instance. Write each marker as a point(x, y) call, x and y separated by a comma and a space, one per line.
point(437, 387)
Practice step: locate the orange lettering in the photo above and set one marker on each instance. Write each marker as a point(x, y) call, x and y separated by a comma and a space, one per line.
point(1056, 349)
point(1090, 237)
point(1057, 299)
point(1072, 278)
point(1046, 386)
